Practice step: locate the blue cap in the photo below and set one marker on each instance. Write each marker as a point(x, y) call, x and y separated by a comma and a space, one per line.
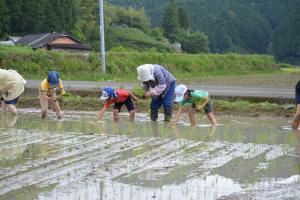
point(108, 92)
point(53, 77)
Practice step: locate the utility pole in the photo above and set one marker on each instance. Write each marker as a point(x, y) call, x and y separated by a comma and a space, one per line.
point(102, 46)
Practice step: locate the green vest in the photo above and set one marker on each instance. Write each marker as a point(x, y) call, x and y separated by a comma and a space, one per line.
point(197, 98)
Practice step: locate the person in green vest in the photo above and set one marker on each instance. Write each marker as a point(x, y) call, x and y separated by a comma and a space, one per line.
point(197, 99)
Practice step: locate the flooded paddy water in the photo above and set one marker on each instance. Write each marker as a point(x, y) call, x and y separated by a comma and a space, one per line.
point(80, 158)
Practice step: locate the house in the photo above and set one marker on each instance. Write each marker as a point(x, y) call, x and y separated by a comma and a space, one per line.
point(8, 43)
point(54, 42)
point(11, 40)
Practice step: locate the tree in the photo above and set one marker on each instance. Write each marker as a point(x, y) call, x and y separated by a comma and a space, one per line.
point(16, 15)
point(183, 19)
point(52, 22)
point(247, 24)
point(196, 42)
point(170, 21)
point(285, 41)
point(4, 19)
point(158, 35)
point(33, 16)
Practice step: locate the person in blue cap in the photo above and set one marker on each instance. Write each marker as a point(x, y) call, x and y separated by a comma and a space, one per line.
point(197, 99)
point(119, 98)
point(47, 91)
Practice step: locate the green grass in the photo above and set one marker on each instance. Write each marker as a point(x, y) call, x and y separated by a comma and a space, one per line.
point(121, 66)
point(135, 39)
point(291, 70)
point(237, 107)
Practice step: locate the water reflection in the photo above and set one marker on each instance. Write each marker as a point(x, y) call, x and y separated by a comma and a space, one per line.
point(7, 122)
point(81, 158)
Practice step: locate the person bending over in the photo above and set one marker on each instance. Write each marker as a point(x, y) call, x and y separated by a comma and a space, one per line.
point(198, 100)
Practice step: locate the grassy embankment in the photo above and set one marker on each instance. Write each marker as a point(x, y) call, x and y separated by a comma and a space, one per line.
point(221, 107)
point(121, 66)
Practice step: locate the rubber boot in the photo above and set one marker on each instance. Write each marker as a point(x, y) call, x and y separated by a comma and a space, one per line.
point(168, 113)
point(154, 114)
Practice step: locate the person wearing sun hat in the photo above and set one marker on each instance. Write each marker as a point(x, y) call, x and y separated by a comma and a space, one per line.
point(159, 84)
point(47, 91)
point(198, 99)
point(11, 88)
point(119, 98)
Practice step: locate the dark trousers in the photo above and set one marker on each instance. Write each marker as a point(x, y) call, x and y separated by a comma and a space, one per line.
point(166, 102)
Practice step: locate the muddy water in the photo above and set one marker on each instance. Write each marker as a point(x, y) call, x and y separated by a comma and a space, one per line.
point(80, 158)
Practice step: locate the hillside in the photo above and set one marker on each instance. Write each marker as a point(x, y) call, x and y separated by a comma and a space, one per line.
point(133, 38)
point(239, 26)
point(231, 25)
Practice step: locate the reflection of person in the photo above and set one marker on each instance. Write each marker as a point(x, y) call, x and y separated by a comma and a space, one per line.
point(159, 84)
point(119, 98)
point(11, 87)
point(296, 120)
point(47, 92)
point(211, 132)
point(198, 99)
point(296, 134)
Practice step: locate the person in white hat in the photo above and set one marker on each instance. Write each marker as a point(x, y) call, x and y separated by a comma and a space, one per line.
point(159, 84)
point(11, 88)
point(198, 99)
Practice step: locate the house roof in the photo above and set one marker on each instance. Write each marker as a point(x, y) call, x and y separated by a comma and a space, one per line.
point(70, 46)
point(14, 38)
point(40, 40)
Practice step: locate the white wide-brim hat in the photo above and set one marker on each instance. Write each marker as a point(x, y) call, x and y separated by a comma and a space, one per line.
point(145, 72)
point(179, 92)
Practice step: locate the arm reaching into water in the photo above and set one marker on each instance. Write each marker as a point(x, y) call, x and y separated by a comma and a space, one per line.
point(101, 112)
point(178, 114)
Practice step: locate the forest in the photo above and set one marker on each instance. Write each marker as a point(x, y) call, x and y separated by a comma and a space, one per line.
point(223, 26)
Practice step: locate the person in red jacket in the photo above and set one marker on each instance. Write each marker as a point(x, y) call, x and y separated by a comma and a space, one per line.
point(119, 98)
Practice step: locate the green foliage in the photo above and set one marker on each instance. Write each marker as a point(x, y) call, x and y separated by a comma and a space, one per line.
point(170, 21)
point(245, 107)
point(4, 19)
point(138, 91)
point(286, 40)
point(193, 43)
point(231, 26)
point(15, 12)
point(87, 25)
point(131, 38)
point(244, 26)
point(31, 16)
point(183, 19)
point(237, 107)
point(157, 34)
point(122, 65)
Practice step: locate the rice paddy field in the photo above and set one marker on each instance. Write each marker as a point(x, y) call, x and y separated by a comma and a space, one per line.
point(80, 157)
